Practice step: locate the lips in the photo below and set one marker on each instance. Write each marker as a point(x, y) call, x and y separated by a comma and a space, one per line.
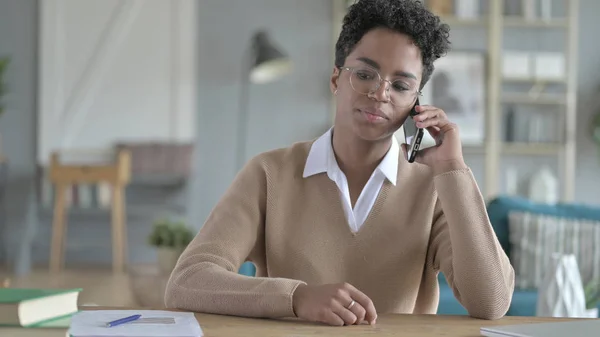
point(375, 113)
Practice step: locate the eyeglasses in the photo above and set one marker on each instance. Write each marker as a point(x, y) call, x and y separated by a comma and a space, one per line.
point(365, 81)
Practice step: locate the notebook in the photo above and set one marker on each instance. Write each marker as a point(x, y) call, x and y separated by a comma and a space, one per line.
point(53, 328)
point(157, 323)
point(578, 328)
point(29, 307)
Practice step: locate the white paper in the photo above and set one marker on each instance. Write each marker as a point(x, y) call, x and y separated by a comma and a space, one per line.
point(92, 323)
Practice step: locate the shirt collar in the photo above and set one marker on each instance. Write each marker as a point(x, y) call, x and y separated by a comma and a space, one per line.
point(321, 159)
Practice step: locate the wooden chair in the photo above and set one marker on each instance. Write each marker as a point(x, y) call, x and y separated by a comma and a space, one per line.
point(118, 175)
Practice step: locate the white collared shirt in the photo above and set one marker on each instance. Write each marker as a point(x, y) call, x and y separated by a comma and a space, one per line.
point(322, 159)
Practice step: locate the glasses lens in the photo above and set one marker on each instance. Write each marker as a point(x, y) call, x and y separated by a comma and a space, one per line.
point(401, 94)
point(366, 81)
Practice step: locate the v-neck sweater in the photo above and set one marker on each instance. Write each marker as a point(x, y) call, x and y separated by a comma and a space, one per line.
point(295, 232)
point(321, 158)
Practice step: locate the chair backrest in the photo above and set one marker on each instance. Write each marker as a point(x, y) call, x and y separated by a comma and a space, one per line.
point(499, 208)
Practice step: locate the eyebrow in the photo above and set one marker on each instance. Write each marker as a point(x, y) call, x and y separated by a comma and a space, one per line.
point(376, 66)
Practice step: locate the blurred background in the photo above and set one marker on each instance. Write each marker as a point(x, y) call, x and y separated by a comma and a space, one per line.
point(123, 122)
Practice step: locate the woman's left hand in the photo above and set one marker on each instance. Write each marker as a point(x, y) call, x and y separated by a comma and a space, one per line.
point(447, 154)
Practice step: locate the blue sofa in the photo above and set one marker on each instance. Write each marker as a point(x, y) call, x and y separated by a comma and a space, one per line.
point(524, 301)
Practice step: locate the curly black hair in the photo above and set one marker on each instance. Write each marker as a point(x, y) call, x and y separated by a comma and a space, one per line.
point(409, 17)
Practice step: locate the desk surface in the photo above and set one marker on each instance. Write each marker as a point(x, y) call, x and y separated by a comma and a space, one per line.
point(387, 325)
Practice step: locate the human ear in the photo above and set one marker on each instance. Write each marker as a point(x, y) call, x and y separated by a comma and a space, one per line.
point(333, 82)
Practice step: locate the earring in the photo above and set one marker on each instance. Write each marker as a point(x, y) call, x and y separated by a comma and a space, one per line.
point(335, 92)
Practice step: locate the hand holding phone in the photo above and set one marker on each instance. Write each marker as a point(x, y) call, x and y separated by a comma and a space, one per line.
point(413, 135)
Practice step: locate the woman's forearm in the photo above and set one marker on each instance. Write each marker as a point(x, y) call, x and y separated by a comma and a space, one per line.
point(467, 249)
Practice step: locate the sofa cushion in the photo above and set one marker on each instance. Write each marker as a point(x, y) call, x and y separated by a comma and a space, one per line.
point(524, 303)
point(499, 208)
point(247, 269)
point(535, 237)
point(449, 305)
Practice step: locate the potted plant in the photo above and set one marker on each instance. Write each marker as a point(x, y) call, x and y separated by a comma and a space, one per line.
point(170, 238)
point(596, 130)
point(592, 298)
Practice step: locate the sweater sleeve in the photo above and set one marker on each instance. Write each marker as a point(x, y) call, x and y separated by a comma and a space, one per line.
point(464, 246)
point(206, 279)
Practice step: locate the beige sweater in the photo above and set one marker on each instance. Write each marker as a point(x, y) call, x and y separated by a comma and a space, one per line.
point(294, 230)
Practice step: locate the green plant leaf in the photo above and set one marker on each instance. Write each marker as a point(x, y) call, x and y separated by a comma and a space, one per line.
point(3, 88)
point(596, 129)
point(171, 234)
point(592, 294)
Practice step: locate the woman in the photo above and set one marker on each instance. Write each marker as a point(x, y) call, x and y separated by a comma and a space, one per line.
point(343, 228)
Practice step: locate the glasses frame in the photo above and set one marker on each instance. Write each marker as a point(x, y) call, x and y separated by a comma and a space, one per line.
point(418, 93)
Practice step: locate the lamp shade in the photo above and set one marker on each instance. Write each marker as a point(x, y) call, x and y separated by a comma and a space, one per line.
point(269, 62)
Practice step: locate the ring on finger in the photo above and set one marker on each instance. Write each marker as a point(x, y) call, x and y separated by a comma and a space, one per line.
point(351, 304)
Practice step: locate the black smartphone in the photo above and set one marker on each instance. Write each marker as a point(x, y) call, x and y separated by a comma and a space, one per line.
point(412, 134)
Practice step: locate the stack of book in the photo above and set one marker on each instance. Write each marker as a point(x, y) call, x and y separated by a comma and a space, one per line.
point(37, 312)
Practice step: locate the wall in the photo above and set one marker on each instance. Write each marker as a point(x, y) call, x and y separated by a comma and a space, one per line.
point(18, 33)
point(588, 153)
point(295, 108)
point(99, 57)
point(88, 232)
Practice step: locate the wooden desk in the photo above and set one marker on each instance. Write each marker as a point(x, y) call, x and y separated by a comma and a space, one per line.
point(387, 325)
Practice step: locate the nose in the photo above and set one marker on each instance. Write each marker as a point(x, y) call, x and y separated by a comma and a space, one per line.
point(382, 92)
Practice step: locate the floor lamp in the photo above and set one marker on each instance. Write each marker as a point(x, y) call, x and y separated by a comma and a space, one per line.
point(262, 63)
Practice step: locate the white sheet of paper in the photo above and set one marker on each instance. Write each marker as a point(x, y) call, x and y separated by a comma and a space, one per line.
point(93, 323)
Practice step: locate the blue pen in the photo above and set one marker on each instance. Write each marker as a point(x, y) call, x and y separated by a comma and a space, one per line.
point(123, 321)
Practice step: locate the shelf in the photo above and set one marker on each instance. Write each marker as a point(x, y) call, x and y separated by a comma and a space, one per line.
point(533, 81)
point(535, 149)
point(520, 22)
point(158, 180)
point(456, 21)
point(509, 21)
point(473, 149)
point(134, 211)
point(534, 99)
